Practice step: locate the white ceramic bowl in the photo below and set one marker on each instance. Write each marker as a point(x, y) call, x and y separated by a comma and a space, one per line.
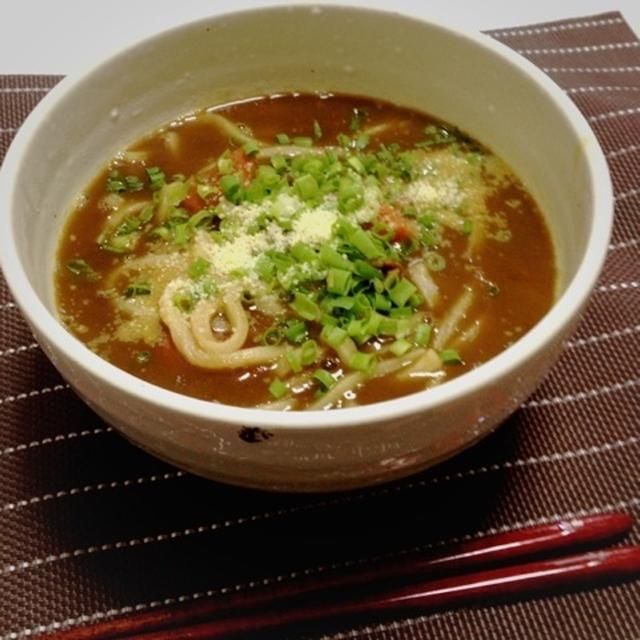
point(464, 78)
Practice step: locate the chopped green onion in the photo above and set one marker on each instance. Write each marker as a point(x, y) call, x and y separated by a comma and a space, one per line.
point(363, 242)
point(142, 357)
point(272, 336)
point(450, 356)
point(401, 292)
point(198, 268)
point(356, 164)
point(434, 261)
point(332, 258)
point(282, 138)
point(137, 289)
point(250, 148)
point(357, 119)
point(423, 335)
point(303, 252)
point(362, 361)
point(380, 302)
point(400, 347)
point(134, 183)
point(296, 330)
point(146, 215)
point(324, 378)
point(156, 177)
point(305, 307)
point(277, 388)
point(366, 271)
point(230, 186)
point(181, 233)
point(302, 141)
point(317, 130)
point(306, 187)
point(333, 336)
point(185, 301)
point(294, 360)
point(309, 352)
point(81, 268)
point(467, 227)
point(338, 281)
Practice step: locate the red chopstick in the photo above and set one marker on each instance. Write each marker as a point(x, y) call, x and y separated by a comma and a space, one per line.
point(487, 550)
point(514, 580)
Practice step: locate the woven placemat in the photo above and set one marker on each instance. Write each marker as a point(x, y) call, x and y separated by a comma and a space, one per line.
point(92, 528)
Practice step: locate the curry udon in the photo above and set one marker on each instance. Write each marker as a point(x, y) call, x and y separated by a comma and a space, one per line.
point(303, 252)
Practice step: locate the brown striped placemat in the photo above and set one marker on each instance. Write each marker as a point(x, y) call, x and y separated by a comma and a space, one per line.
point(91, 527)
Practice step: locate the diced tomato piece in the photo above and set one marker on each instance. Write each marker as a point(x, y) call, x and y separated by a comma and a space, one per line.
point(404, 229)
point(193, 202)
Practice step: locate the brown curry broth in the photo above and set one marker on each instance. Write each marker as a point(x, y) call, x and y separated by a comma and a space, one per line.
point(523, 268)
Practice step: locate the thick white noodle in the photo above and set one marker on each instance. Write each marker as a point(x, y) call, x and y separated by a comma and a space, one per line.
point(346, 350)
point(393, 364)
point(115, 219)
point(286, 404)
point(426, 366)
point(333, 396)
point(476, 238)
point(230, 129)
point(200, 320)
point(172, 142)
point(470, 333)
point(182, 336)
point(422, 279)
point(133, 157)
point(292, 150)
point(452, 319)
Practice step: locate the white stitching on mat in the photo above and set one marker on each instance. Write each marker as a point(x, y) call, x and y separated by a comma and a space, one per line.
point(509, 464)
point(590, 69)
point(89, 488)
point(25, 89)
point(634, 503)
point(627, 194)
point(618, 286)
point(593, 89)
point(620, 113)
point(623, 151)
point(618, 333)
point(558, 456)
point(7, 305)
point(557, 27)
point(61, 437)
point(581, 395)
point(21, 349)
point(586, 49)
point(396, 625)
point(625, 244)
point(8, 130)
point(33, 393)
point(285, 511)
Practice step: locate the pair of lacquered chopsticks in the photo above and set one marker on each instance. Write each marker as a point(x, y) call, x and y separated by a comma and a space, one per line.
point(363, 590)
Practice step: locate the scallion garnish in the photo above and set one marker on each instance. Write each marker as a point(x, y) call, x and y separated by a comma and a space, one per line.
point(277, 388)
point(137, 289)
point(81, 268)
point(325, 378)
point(450, 356)
point(198, 268)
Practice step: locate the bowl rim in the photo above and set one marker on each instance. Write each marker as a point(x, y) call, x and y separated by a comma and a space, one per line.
point(550, 327)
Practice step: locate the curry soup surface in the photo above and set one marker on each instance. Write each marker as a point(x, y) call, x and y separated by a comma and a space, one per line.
point(303, 251)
